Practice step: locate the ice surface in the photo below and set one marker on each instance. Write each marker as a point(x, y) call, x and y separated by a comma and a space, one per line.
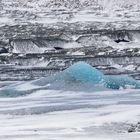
point(123, 81)
point(72, 104)
point(84, 73)
point(27, 46)
point(61, 115)
point(76, 76)
point(57, 109)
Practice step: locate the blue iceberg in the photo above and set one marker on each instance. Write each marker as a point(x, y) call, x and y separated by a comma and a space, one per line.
point(80, 72)
point(123, 81)
point(84, 73)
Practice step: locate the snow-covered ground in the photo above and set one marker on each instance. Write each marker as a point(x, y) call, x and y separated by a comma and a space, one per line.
point(52, 11)
point(72, 115)
point(77, 103)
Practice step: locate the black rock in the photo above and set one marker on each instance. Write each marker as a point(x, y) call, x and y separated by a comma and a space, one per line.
point(132, 129)
point(58, 48)
point(121, 40)
point(3, 50)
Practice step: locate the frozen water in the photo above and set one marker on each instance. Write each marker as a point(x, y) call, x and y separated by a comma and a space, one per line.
point(72, 104)
point(84, 73)
point(61, 115)
point(77, 103)
point(73, 78)
point(123, 81)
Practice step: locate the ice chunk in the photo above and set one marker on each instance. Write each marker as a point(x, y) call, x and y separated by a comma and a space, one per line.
point(123, 81)
point(84, 73)
point(79, 72)
point(76, 76)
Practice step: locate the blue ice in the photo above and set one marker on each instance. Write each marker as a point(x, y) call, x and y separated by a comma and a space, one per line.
point(80, 72)
point(85, 73)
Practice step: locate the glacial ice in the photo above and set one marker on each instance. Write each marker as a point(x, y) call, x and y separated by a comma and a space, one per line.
point(123, 81)
point(84, 73)
point(81, 73)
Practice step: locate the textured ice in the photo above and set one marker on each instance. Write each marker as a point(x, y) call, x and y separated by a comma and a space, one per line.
point(84, 73)
point(80, 73)
point(98, 115)
point(123, 81)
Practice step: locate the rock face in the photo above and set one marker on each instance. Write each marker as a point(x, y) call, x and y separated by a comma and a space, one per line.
point(50, 35)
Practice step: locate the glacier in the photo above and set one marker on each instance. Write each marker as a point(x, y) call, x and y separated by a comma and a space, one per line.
point(79, 73)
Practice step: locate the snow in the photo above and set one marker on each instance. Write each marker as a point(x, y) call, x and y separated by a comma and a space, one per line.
point(27, 46)
point(98, 114)
point(76, 53)
point(60, 108)
point(69, 109)
point(51, 11)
